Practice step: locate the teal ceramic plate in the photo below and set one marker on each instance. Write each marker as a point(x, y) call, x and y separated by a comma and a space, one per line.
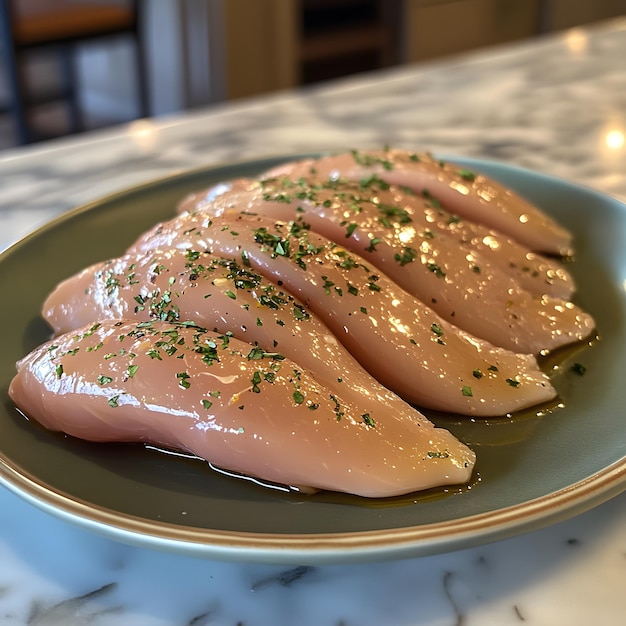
point(532, 470)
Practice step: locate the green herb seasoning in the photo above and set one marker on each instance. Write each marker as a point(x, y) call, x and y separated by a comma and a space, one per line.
point(374, 241)
point(368, 420)
point(435, 269)
point(368, 160)
point(256, 353)
point(256, 381)
point(407, 255)
point(438, 332)
point(327, 284)
point(467, 175)
point(350, 229)
point(438, 455)
point(113, 401)
point(390, 215)
point(337, 408)
point(183, 380)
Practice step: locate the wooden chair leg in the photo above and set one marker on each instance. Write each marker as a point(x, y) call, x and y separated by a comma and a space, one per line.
point(71, 86)
point(142, 79)
point(19, 102)
point(15, 78)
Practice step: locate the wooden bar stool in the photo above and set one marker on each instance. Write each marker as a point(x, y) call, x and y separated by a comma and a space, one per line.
point(61, 26)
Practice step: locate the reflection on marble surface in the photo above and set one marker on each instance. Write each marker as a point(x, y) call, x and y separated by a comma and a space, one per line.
point(53, 573)
point(554, 106)
point(558, 106)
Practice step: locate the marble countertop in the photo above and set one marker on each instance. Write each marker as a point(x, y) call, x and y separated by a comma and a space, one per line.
point(556, 105)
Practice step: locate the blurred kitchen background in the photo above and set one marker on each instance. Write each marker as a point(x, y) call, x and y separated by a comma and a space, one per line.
point(72, 65)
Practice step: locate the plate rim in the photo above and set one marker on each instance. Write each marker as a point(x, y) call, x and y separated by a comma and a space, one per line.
point(323, 548)
point(313, 548)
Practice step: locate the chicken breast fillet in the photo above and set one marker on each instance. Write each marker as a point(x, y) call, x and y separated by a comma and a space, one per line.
point(226, 297)
point(400, 207)
point(399, 340)
point(181, 387)
point(467, 193)
point(463, 285)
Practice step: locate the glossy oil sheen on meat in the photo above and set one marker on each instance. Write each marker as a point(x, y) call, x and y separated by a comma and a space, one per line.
point(463, 285)
point(181, 387)
point(227, 297)
point(402, 342)
point(462, 191)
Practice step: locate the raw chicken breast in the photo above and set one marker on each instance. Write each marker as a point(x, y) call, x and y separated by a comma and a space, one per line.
point(181, 387)
point(461, 191)
point(403, 343)
point(462, 285)
point(226, 297)
point(537, 274)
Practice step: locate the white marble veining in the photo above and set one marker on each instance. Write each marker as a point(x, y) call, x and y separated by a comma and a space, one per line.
point(556, 105)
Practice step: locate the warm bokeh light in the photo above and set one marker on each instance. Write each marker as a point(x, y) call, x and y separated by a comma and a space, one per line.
point(576, 40)
point(143, 132)
point(614, 139)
